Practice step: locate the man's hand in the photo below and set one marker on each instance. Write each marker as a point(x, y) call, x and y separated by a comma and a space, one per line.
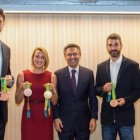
point(9, 79)
point(121, 101)
point(58, 125)
point(24, 85)
point(107, 87)
point(92, 125)
point(4, 96)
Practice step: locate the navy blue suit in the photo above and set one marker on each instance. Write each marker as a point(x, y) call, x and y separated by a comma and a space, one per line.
point(75, 110)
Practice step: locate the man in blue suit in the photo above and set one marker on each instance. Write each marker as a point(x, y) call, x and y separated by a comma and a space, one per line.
point(118, 82)
point(76, 111)
point(4, 72)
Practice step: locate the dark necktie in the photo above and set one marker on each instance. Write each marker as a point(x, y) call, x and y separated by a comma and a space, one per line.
point(73, 80)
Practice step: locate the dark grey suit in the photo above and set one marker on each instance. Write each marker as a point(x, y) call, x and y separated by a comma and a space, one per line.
point(4, 71)
point(127, 87)
point(75, 109)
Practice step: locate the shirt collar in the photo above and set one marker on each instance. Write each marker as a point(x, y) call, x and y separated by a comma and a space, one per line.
point(118, 61)
point(70, 68)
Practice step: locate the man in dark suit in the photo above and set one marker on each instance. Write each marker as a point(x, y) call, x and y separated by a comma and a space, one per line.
point(118, 82)
point(76, 112)
point(6, 73)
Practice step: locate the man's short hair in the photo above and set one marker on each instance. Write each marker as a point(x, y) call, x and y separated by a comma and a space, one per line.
point(2, 14)
point(114, 36)
point(72, 45)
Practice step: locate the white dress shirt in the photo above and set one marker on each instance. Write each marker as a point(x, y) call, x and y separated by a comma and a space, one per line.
point(114, 69)
point(76, 73)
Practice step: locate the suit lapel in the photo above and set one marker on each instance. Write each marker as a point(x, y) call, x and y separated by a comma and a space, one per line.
point(3, 59)
point(79, 80)
point(121, 69)
point(108, 70)
point(67, 75)
point(68, 79)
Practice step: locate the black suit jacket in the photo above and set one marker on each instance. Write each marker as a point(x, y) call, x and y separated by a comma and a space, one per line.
point(76, 109)
point(5, 71)
point(127, 87)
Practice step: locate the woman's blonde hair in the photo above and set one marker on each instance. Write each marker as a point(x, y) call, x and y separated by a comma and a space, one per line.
point(45, 54)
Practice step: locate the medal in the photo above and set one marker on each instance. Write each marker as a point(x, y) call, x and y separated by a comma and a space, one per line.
point(28, 92)
point(114, 103)
point(47, 96)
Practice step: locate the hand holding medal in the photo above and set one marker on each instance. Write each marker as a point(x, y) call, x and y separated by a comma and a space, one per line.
point(114, 101)
point(47, 96)
point(48, 93)
point(27, 90)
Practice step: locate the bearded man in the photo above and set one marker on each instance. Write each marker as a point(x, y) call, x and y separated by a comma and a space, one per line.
point(118, 83)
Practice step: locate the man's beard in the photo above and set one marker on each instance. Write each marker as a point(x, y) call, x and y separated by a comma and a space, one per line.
point(114, 53)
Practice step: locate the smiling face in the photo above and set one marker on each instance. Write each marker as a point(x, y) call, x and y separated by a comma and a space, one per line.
point(39, 59)
point(72, 56)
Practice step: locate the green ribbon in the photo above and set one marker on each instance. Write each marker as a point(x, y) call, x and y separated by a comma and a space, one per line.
point(3, 84)
point(113, 91)
point(28, 85)
point(47, 86)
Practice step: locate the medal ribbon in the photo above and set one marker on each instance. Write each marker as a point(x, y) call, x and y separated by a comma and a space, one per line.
point(3, 84)
point(47, 106)
point(28, 86)
point(113, 91)
point(109, 97)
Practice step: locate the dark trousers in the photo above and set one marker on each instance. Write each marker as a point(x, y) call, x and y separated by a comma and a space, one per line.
point(74, 134)
point(2, 129)
point(2, 123)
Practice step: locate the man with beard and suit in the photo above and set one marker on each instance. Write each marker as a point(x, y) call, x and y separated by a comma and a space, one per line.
point(76, 111)
point(118, 82)
point(5, 72)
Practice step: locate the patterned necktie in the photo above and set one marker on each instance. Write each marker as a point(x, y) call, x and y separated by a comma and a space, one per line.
point(73, 80)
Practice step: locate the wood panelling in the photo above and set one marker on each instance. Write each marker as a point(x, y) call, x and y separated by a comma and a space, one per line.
point(23, 32)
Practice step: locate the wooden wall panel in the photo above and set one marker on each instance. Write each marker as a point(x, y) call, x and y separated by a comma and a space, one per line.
point(23, 32)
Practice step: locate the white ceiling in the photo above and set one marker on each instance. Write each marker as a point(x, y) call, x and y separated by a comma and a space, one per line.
point(89, 2)
point(71, 5)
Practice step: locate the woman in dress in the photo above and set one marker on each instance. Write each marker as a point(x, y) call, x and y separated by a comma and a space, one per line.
point(37, 116)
